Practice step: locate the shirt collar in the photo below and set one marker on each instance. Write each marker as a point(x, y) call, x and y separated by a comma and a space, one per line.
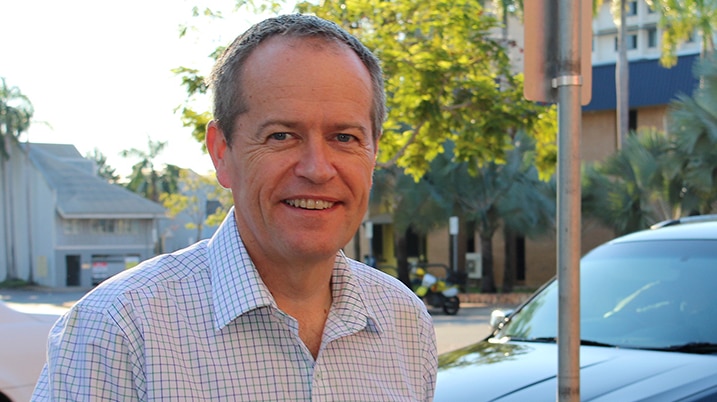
point(237, 287)
point(348, 302)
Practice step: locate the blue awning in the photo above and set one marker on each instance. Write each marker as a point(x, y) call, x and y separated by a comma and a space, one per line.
point(650, 83)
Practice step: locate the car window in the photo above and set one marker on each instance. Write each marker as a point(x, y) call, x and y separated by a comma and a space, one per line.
point(652, 294)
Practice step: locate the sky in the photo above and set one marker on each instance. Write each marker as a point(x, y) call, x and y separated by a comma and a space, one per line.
point(98, 73)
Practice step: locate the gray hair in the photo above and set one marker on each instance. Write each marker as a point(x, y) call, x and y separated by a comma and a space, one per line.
point(225, 79)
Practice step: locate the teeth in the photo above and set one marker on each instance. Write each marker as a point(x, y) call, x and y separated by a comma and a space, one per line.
point(310, 204)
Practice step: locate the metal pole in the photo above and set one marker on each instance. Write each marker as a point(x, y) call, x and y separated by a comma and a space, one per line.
point(568, 84)
point(453, 223)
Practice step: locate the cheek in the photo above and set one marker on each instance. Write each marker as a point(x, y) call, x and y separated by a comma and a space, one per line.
point(361, 174)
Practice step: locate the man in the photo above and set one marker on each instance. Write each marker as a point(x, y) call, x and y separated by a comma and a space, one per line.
point(269, 308)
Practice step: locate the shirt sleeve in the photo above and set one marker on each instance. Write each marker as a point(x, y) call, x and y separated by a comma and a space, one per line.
point(89, 359)
point(428, 339)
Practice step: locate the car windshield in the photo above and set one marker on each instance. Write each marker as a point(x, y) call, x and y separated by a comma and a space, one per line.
point(652, 294)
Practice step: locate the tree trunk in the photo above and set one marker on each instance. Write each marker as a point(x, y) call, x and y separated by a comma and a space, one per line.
point(401, 250)
point(511, 260)
point(487, 284)
point(29, 211)
point(200, 227)
point(622, 87)
point(9, 226)
point(357, 245)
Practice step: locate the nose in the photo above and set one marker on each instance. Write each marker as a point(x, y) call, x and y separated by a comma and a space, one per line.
point(316, 161)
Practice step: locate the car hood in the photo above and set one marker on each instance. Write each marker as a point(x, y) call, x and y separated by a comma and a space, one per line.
point(518, 371)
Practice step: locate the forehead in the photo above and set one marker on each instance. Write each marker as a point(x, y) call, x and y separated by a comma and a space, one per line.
point(304, 51)
point(285, 64)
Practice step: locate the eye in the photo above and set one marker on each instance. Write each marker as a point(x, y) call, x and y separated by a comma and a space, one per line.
point(344, 137)
point(279, 136)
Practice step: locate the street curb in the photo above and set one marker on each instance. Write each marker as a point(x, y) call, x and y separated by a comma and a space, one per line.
point(494, 299)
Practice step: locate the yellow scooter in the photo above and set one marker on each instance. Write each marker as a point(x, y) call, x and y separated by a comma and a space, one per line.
point(437, 292)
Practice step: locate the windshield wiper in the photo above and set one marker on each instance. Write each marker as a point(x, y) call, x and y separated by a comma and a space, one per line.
point(552, 339)
point(587, 342)
point(690, 347)
point(540, 339)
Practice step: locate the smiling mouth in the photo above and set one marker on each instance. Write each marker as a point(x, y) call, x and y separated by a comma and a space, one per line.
point(309, 204)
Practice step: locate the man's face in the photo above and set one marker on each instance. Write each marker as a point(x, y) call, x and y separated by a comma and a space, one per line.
point(301, 163)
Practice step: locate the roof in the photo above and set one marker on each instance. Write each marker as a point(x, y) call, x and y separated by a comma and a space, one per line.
point(650, 83)
point(83, 194)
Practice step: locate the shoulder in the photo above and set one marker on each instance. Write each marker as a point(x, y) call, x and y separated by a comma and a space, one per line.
point(378, 288)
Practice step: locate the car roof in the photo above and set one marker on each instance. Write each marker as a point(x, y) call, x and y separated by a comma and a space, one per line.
point(690, 228)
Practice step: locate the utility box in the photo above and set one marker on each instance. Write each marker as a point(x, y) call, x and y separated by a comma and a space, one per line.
point(474, 268)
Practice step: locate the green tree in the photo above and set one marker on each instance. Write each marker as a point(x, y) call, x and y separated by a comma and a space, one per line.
point(15, 116)
point(104, 170)
point(193, 82)
point(192, 113)
point(692, 123)
point(634, 187)
point(191, 199)
point(146, 179)
point(680, 20)
point(659, 176)
point(413, 205)
point(509, 194)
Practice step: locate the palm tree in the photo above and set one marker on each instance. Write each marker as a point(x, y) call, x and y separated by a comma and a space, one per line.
point(15, 115)
point(413, 205)
point(104, 170)
point(659, 176)
point(508, 194)
point(145, 179)
point(635, 187)
point(693, 125)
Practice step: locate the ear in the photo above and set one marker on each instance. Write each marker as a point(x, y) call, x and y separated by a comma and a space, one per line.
point(219, 151)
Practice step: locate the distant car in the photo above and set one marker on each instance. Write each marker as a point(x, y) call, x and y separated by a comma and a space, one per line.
point(23, 345)
point(648, 327)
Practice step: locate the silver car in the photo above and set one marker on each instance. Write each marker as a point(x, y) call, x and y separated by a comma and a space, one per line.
point(648, 327)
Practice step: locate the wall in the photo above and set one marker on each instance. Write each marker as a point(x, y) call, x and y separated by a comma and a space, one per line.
point(14, 227)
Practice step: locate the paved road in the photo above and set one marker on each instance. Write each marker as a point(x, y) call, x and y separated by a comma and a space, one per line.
point(452, 332)
point(468, 326)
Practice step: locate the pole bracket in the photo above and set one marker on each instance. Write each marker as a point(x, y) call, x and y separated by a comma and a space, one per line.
point(566, 80)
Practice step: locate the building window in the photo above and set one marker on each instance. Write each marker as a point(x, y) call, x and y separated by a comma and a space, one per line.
point(650, 9)
point(631, 42)
point(632, 120)
point(652, 38)
point(632, 8)
point(114, 226)
point(126, 226)
point(71, 226)
point(99, 226)
point(211, 207)
point(691, 38)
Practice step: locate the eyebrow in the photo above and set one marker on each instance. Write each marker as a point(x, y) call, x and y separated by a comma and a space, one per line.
point(293, 125)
